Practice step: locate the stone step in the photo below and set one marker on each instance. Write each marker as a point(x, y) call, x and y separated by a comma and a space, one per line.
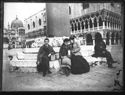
point(35, 50)
point(23, 63)
point(32, 62)
point(23, 69)
point(30, 65)
point(22, 56)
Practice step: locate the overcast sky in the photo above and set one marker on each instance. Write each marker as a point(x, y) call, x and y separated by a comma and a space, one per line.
point(22, 10)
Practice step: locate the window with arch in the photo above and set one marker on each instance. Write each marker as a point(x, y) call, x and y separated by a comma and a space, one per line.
point(78, 25)
point(82, 24)
point(75, 26)
point(72, 27)
point(100, 21)
point(28, 26)
point(86, 24)
point(33, 24)
point(112, 38)
point(85, 5)
point(105, 23)
point(95, 22)
point(69, 10)
point(90, 22)
point(39, 21)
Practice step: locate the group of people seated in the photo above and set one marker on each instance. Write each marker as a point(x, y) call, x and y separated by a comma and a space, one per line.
point(71, 59)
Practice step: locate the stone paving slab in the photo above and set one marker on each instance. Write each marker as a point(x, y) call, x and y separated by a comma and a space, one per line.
point(100, 78)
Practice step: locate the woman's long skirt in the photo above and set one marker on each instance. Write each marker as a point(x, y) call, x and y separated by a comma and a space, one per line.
point(79, 65)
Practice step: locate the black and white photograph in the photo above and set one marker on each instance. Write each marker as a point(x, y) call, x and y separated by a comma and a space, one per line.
point(62, 46)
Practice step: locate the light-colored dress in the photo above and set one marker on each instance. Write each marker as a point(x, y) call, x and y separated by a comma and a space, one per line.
point(76, 49)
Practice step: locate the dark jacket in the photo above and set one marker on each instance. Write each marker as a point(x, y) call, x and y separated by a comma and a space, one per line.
point(63, 50)
point(45, 51)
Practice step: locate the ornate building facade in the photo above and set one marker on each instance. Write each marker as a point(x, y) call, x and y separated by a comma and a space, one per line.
point(35, 25)
point(95, 19)
point(14, 35)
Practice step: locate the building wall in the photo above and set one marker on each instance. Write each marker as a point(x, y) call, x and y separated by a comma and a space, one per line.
point(35, 18)
point(93, 7)
point(98, 17)
point(75, 10)
point(58, 21)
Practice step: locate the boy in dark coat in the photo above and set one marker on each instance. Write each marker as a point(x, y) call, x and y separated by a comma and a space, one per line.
point(43, 57)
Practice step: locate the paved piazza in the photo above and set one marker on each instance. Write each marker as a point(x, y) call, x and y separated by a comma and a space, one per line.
point(100, 78)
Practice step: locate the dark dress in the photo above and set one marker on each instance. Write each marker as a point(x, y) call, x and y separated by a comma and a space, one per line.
point(100, 51)
point(43, 58)
point(79, 65)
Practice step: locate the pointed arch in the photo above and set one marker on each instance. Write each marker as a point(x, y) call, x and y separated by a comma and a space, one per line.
point(95, 22)
point(39, 21)
point(100, 21)
point(33, 24)
point(90, 23)
point(105, 21)
point(78, 25)
point(86, 24)
point(72, 27)
point(75, 26)
point(69, 10)
point(89, 40)
point(82, 24)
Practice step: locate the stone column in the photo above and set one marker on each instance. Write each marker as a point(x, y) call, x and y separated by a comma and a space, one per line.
point(80, 27)
point(103, 24)
point(77, 31)
point(109, 26)
point(93, 41)
point(118, 41)
point(81, 30)
point(73, 28)
point(85, 41)
point(93, 26)
point(15, 44)
point(84, 26)
point(104, 39)
point(115, 40)
point(110, 41)
point(97, 25)
point(88, 26)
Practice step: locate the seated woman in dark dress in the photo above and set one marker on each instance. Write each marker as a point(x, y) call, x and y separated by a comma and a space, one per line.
point(100, 51)
point(78, 64)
